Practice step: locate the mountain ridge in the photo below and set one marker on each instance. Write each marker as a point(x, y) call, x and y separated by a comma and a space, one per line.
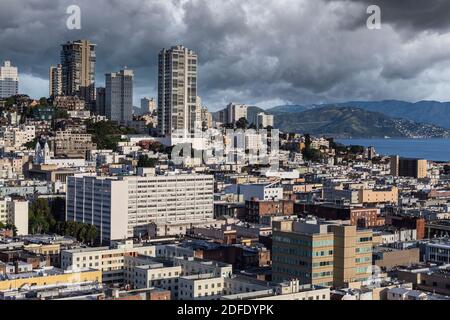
point(424, 111)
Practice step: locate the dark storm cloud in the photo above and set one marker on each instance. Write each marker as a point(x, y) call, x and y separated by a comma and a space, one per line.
point(254, 51)
point(417, 15)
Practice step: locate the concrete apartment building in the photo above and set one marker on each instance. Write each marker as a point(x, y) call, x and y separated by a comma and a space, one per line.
point(206, 118)
point(388, 258)
point(236, 112)
point(261, 191)
point(192, 266)
point(177, 90)
point(14, 137)
point(78, 69)
point(288, 290)
point(73, 144)
point(361, 195)
point(9, 80)
point(211, 287)
point(109, 260)
point(119, 96)
point(320, 253)
point(434, 279)
point(264, 120)
point(148, 105)
point(15, 212)
point(160, 274)
point(406, 167)
point(69, 103)
point(200, 287)
point(55, 81)
point(123, 207)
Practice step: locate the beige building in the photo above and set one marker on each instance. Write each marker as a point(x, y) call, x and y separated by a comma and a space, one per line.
point(109, 260)
point(14, 137)
point(264, 120)
point(360, 195)
point(49, 276)
point(163, 275)
point(52, 250)
point(233, 112)
point(15, 212)
point(378, 196)
point(11, 167)
point(72, 144)
point(320, 253)
point(206, 118)
point(69, 103)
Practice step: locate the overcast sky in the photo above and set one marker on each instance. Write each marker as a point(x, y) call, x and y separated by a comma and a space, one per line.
point(258, 52)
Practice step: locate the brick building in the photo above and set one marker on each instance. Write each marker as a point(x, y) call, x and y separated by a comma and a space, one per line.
point(255, 209)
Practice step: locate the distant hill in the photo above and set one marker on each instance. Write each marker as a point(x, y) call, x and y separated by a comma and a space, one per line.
point(432, 112)
point(295, 108)
point(349, 122)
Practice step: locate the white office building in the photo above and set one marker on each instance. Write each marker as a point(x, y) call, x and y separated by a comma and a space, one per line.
point(123, 207)
point(261, 191)
point(177, 90)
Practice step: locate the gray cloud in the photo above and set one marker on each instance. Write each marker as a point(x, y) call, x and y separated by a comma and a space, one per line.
point(253, 51)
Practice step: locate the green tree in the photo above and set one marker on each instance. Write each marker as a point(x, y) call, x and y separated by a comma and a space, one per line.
point(43, 102)
point(308, 141)
point(242, 123)
point(12, 227)
point(10, 102)
point(31, 144)
point(38, 224)
point(58, 209)
point(40, 218)
point(313, 155)
point(146, 162)
point(61, 114)
point(91, 234)
point(356, 149)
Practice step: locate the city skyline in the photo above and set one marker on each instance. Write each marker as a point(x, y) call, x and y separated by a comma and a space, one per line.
point(273, 156)
point(323, 53)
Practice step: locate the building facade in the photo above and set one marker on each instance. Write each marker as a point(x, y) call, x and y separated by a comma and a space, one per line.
point(55, 81)
point(319, 253)
point(124, 207)
point(177, 90)
point(9, 80)
point(119, 96)
point(406, 167)
point(15, 212)
point(148, 105)
point(78, 70)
